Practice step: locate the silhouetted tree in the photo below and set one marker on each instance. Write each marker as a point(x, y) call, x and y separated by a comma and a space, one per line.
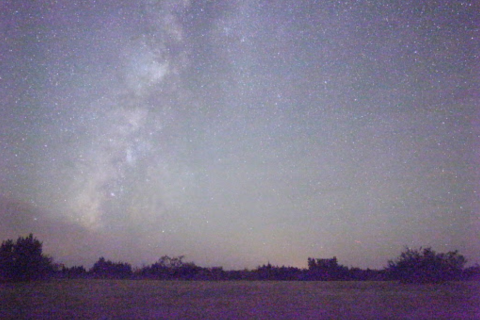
point(171, 268)
point(472, 273)
point(269, 272)
point(23, 260)
point(73, 272)
point(426, 266)
point(214, 273)
point(108, 269)
point(358, 274)
point(326, 269)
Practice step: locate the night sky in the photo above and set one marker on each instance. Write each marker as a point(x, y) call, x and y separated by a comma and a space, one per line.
point(238, 133)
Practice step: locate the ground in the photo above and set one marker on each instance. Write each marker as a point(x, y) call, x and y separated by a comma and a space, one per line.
point(144, 299)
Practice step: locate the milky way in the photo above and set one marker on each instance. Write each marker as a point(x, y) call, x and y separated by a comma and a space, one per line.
point(240, 132)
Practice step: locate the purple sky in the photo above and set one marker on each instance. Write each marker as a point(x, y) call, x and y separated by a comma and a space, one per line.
point(240, 132)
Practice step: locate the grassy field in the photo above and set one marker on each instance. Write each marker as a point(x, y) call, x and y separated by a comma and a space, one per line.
point(140, 299)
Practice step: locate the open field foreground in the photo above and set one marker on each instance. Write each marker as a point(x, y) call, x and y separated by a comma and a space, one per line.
point(148, 299)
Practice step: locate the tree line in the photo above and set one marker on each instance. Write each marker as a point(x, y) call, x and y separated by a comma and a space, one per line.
point(23, 260)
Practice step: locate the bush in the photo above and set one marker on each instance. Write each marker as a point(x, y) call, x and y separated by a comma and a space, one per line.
point(108, 269)
point(426, 266)
point(167, 268)
point(73, 272)
point(23, 260)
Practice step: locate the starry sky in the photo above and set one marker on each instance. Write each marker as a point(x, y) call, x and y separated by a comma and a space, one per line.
point(238, 133)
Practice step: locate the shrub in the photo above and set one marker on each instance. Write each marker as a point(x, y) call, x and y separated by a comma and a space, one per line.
point(23, 260)
point(108, 269)
point(426, 266)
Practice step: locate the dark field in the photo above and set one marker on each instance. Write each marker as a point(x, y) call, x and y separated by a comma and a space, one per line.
point(140, 299)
